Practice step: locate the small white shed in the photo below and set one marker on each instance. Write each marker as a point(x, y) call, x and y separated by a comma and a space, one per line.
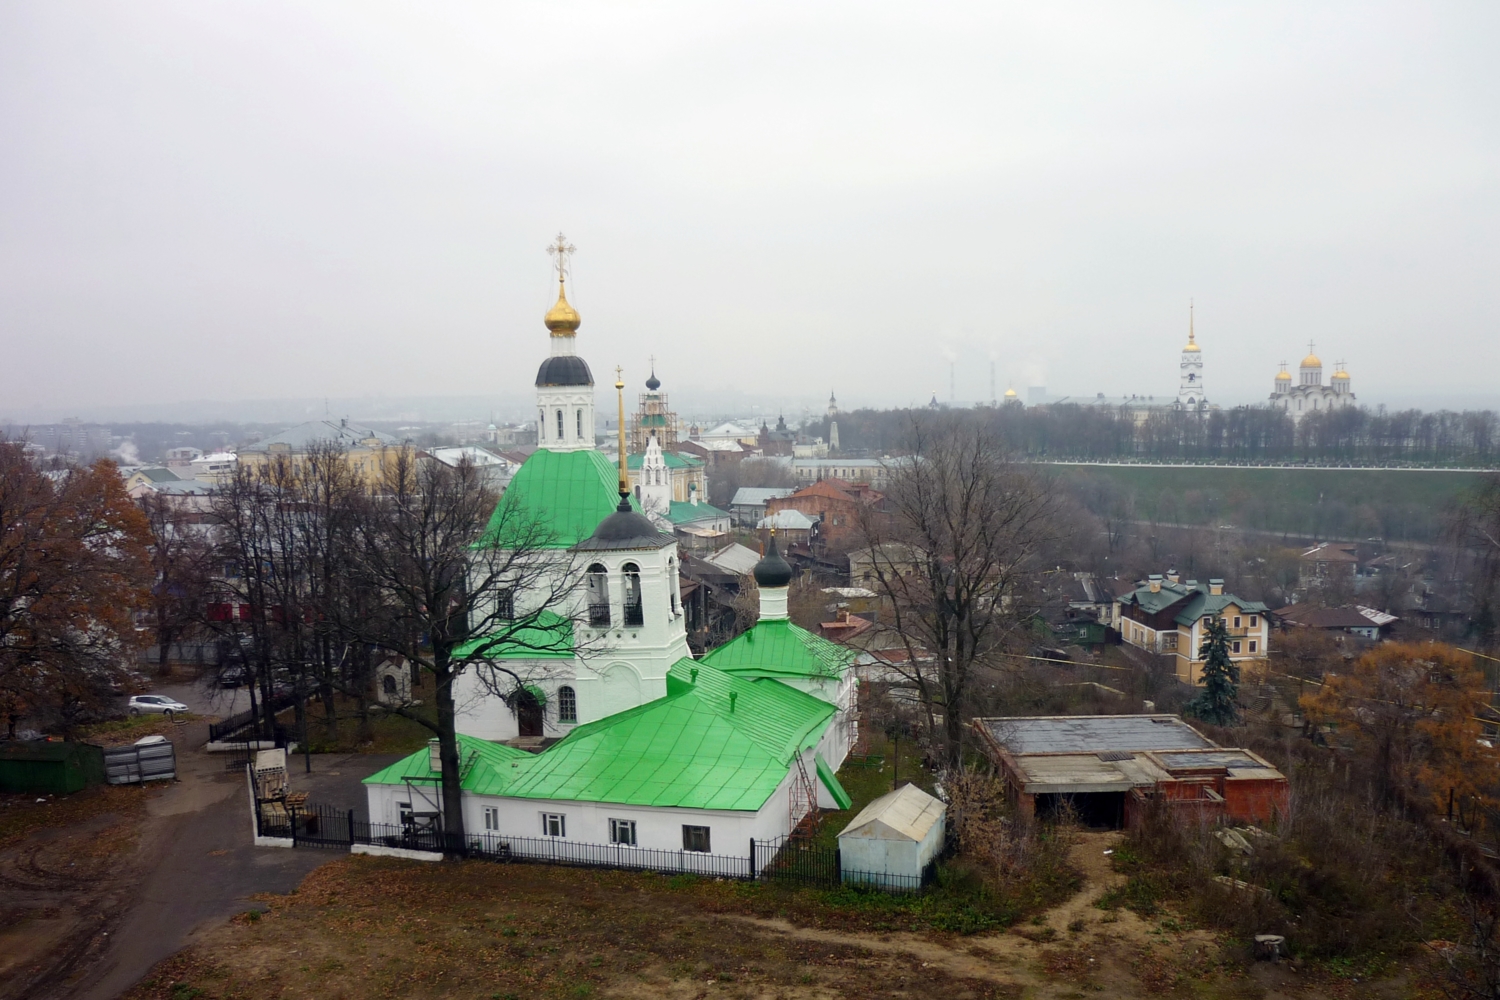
point(893, 839)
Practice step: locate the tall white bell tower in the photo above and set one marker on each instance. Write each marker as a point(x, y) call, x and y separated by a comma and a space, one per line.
point(1190, 371)
point(564, 384)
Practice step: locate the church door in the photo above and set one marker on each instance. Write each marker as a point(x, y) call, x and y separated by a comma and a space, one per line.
point(528, 713)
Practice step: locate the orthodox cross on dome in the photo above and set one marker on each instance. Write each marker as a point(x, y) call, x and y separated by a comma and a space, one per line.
point(1310, 347)
point(560, 252)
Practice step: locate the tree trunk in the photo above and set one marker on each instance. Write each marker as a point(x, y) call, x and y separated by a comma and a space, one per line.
point(453, 802)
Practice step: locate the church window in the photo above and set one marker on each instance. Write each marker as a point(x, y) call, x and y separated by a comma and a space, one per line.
point(695, 838)
point(541, 423)
point(554, 825)
point(388, 685)
point(580, 425)
point(672, 582)
point(567, 704)
point(597, 585)
point(491, 817)
point(622, 831)
point(634, 611)
point(505, 603)
point(559, 425)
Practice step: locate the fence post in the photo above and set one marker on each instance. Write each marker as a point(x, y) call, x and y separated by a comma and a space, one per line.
point(752, 859)
point(291, 818)
point(351, 829)
point(838, 866)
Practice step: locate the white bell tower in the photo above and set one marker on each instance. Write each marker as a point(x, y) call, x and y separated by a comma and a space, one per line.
point(655, 482)
point(564, 384)
point(1190, 374)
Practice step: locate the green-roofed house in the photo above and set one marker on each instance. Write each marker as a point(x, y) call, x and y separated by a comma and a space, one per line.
point(656, 485)
point(1167, 615)
point(718, 760)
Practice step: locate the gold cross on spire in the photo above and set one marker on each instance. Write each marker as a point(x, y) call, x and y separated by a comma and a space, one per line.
point(560, 252)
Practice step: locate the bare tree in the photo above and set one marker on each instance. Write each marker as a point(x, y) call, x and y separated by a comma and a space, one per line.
point(1474, 529)
point(181, 558)
point(967, 524)
point(456, 579)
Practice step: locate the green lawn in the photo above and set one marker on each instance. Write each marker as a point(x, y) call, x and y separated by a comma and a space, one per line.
point(1354, 503)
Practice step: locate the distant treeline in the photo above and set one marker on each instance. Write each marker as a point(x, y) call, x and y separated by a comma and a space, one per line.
point(1243, 434)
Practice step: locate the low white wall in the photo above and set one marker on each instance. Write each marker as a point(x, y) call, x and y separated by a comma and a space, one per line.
point(395, 852)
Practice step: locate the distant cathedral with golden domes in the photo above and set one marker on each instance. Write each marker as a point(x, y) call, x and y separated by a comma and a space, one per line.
point(1309, 394)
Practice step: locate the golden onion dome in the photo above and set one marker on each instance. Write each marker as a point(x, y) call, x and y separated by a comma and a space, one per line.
point(1011, 394)
point(1341, 374)
point(562, 319)
point(1312, 361)
point(1283, 376)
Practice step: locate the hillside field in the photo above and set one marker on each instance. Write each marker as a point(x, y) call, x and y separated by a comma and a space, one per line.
point(1397, 505)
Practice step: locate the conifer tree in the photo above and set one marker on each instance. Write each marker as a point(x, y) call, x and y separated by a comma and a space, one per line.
point(1218, 701)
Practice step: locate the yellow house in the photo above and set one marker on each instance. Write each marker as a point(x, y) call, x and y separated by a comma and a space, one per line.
point(1166, 616)
point(366, 450)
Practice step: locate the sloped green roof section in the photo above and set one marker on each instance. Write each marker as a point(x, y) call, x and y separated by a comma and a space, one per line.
point(831, 782)
point(546, 636)
point(781, 649)
point(1212, 604)
point(566, 492)
point(1199, 601)
point(672, 458)
point(715, 741)
point(682, 512)
point(489, 756)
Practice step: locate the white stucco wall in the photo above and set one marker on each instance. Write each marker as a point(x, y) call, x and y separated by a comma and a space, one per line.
point(905, 858)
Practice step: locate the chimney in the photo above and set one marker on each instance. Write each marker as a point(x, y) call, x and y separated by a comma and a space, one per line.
point(1172, 576)
point(1191, 584)
point(1154, 582)
point(434, 756)
point(1216, 587)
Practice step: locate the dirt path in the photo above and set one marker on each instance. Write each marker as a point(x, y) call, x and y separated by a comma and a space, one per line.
point(87, 909)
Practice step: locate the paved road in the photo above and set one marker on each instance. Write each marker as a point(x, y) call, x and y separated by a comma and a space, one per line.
point(199, 865)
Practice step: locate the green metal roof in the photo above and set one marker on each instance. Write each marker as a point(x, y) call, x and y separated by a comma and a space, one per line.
point(418, 766)
point(715, 741)
point(682, 512)
point(545, 636)
point(831, 782)
point(568, 491)
point(672, 458)
point(1199, 601)
point(781, 649)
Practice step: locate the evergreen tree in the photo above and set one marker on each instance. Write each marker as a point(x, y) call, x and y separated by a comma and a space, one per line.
point(1217, 702)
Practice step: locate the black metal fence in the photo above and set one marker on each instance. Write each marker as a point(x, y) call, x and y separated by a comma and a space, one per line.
point(217, 731)
point(780, 860)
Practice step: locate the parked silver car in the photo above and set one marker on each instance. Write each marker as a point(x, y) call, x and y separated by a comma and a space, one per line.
point(145, 704)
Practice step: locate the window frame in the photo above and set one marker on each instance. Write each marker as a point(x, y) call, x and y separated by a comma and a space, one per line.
point(1234, 647)
point(1255, 621)
point(690, 833)
point(491, 819)
point(567, 704)
point(1237, 620)
point(560, 432)
point(562, 825)
point(1252, 646)
point(625, 826)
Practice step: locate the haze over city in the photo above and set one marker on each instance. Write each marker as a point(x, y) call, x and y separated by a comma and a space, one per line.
point(280, 203)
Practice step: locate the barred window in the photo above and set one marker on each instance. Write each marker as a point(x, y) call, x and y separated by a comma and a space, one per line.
point(567, 704)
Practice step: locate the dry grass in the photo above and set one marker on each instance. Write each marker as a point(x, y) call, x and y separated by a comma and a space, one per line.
point(367, 927)
point(21, 815)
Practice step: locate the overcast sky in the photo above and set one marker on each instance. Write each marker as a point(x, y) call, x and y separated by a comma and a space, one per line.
point(272, 200)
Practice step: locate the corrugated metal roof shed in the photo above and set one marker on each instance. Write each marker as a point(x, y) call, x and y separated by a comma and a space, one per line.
point(1092, 733)
point(905, 814)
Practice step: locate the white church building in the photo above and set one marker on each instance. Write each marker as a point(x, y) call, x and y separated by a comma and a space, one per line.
point(645, 747)
point(1308, 394)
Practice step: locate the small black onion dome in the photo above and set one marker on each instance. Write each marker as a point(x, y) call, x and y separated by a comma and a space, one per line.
point(772, 570)
point(653, 383)
point(625, 529)
point(564, 369)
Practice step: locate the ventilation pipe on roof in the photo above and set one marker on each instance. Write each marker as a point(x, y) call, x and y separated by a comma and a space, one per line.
point(1172, 576)
point(1216, 587)
point(733, 695)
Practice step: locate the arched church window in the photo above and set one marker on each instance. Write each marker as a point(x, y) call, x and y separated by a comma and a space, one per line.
point(541, 423)
point(596, 583)
point(388, 685)
point(635, 613)
point(580, 425)
point(559, 425)
point(672, 583)
point(567, 704)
